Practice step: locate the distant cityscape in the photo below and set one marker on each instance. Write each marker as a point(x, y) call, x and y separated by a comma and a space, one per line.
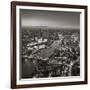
point(49, 52)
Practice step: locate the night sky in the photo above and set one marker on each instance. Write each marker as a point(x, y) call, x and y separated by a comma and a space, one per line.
point(57, 19)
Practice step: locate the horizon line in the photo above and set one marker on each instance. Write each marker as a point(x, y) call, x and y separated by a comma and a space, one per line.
point(51, 27)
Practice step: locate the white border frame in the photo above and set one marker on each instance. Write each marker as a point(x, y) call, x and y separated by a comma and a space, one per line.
point(58, 79)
